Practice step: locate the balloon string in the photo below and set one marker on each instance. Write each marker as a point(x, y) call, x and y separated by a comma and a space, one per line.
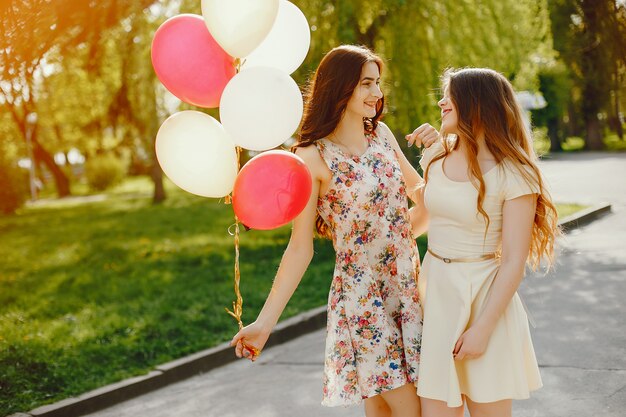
point(238, 304)
point(238, 63)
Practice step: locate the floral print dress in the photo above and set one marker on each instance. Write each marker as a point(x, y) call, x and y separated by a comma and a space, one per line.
point(374, 315)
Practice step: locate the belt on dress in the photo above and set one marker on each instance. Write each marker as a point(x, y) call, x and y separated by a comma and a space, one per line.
point(484, 257)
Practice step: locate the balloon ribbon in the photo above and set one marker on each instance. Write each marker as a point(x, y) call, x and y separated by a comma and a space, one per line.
point(238, 304)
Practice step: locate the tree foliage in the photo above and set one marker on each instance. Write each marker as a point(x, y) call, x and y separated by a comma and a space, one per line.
point(89, 78)
point(420, 39)
point(555, 85)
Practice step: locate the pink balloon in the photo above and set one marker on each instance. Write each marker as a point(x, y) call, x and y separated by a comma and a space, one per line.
point(271, 190)
point(189, 62)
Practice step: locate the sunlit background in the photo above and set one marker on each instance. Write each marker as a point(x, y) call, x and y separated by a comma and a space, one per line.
point(98, 283)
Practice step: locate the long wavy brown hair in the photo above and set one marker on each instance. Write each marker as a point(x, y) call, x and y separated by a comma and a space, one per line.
point(327, 96)
point(486, 106)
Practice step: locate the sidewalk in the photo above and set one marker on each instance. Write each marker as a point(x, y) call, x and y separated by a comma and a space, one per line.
point(580, 337)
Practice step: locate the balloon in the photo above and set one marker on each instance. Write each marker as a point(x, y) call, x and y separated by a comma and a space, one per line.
point(261, 108)
point(197, 154)
point(271, 190)
point(287, 44)
point(188, 61)
point(239, 26)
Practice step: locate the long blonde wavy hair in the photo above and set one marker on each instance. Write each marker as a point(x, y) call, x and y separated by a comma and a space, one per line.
point(486, 106)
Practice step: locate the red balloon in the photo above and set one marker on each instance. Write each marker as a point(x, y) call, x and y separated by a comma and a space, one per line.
point(271, 190)
point(189, 62)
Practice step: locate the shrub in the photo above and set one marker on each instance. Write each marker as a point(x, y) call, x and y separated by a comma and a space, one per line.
point(573, 143)
point(13, 186)
point(614, 143)
point(104, 171)
point(541, 143)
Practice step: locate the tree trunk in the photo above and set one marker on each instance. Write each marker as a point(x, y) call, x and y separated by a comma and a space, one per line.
point(594, 135)
point(156, 173)
point(553, 134)
point(60, 179)
point(157, 177)
point(573, 121)
point(618, 122)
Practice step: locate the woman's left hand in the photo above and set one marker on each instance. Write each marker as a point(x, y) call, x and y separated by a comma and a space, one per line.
point(471, 345)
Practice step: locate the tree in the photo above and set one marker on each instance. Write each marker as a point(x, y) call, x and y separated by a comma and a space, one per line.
point(32, 31)
point(617, 34)
point(137, 103)
point(555, 85)
point(589, 35)
point(22, 51)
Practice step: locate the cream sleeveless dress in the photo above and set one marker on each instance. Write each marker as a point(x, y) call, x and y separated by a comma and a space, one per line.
point(374, 315)
point(453, 294)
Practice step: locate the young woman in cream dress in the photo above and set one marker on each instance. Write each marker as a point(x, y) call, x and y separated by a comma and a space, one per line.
point(488, 214)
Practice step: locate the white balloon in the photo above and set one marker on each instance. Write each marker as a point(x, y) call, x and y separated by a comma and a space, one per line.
point(239, 26)
point(287, 44)
point(197, 154)
point(261, 108)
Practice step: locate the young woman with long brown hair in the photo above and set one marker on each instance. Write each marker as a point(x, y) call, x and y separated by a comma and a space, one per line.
point(488, 215)
point(360, 177)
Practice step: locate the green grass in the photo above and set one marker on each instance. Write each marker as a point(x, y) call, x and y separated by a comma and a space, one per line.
point(92, 292)
point(565, 210)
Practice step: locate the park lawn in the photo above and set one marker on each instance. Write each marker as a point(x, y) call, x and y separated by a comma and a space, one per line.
point(103, 288)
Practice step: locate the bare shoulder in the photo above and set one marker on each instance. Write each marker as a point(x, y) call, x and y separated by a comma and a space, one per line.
point(384, 129)
point(387, 135)
point(313, 160)
point(310, 154)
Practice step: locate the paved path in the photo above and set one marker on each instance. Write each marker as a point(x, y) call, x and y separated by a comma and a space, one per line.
point(588, 177)
point(580, 337)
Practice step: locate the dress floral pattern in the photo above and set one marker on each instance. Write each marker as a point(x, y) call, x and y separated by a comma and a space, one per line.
point(374, 314)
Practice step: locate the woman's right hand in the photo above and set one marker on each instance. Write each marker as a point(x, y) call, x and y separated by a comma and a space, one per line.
point(424, 135)
point(252, 336)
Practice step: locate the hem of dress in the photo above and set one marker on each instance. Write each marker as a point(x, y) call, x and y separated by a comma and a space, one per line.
point(461, 402)
point(363, 398)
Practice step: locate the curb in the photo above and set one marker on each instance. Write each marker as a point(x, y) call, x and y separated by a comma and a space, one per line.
point(584, 217)
point(206, 360)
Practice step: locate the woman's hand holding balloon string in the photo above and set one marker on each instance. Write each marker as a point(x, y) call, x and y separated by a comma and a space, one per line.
point(250, 340)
